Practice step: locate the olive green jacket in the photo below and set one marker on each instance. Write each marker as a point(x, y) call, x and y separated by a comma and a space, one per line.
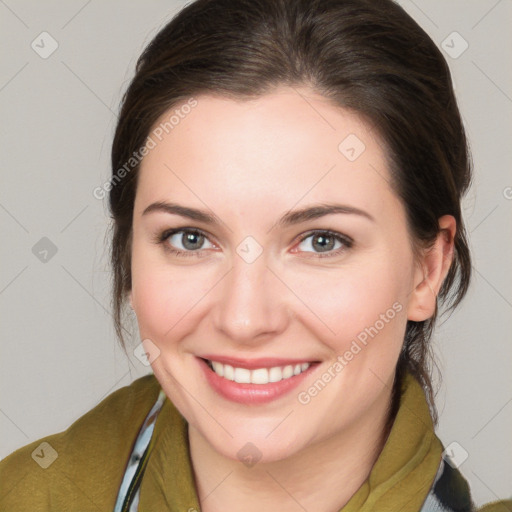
point(81, 468)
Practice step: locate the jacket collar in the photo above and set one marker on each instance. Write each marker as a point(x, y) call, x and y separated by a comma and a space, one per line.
point(405, 476)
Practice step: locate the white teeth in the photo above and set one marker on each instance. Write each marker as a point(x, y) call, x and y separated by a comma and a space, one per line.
point(242, 375)
point(229, 373)
point(219, 368)
point(259, 375)
point(287, 371)
point(275, 374)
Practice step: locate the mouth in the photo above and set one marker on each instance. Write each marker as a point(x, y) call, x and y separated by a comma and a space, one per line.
point(254, 381)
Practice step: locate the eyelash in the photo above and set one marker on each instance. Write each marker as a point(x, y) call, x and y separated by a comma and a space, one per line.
point(164, 236)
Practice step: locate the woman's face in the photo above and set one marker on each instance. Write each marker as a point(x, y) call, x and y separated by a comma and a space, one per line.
point(259, 283)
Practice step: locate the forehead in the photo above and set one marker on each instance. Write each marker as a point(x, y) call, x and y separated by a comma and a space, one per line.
point(279, 147)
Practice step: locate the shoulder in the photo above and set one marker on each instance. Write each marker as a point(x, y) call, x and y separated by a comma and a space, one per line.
point(82, 465)
point(497, 506)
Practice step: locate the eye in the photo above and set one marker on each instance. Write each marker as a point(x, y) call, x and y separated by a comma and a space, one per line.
point(190, 242)
point(328, 242)
point(184, 241)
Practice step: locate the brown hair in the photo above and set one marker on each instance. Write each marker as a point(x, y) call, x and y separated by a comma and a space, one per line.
point(369, 56)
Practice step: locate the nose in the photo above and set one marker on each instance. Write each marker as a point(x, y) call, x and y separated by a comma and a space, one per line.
point(251, 305)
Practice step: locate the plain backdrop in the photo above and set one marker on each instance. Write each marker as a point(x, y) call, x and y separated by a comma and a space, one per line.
point(59, 355)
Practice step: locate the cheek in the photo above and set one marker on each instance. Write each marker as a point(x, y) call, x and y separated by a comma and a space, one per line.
point(164, 298)
point(359, 303)
point(154, 294)
point(154, 305)
point(352, 297)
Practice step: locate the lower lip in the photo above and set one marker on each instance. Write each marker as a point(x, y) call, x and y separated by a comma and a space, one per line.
point(252, 393)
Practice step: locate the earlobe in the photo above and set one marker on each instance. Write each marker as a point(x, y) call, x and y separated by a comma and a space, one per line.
point(432, 271)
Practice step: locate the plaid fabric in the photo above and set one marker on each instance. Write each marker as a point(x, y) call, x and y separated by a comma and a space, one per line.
point(449, 492)
point(128, 497)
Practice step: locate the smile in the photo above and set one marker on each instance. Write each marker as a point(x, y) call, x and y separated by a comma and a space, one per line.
point(256, 381)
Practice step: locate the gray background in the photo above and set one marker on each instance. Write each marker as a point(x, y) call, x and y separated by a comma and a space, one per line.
point(59, 356)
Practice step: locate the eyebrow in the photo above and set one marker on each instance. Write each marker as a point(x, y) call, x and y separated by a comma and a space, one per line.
point(288, 219)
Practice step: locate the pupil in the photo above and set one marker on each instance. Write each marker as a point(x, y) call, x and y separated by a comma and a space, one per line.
point(189, 239)
point(323, 243)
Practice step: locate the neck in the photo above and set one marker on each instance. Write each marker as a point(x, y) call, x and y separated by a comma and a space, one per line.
point(321, 477)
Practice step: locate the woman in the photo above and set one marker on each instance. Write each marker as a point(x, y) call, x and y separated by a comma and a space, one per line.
point(286, 188)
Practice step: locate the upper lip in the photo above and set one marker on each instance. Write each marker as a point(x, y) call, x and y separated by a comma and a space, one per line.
point(259, 362)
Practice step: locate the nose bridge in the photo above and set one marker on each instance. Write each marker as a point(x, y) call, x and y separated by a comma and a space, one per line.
point(248, 305)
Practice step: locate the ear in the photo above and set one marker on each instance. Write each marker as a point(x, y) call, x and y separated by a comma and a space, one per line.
point(130, 299)
point(431, 272)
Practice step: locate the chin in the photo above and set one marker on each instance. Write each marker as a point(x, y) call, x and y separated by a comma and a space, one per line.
point(256, 451)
